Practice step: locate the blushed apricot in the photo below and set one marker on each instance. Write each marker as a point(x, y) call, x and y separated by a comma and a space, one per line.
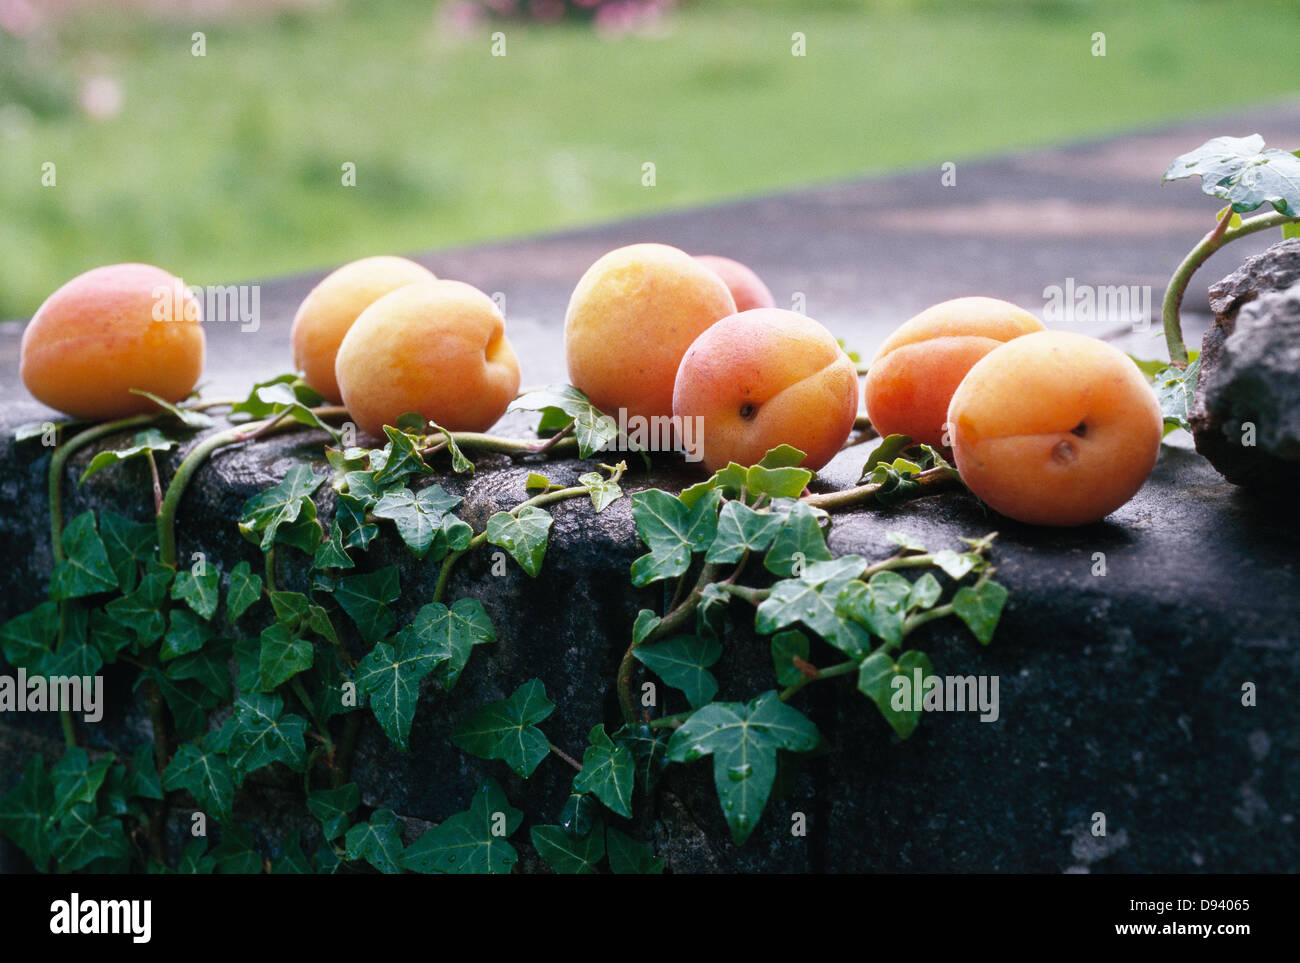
point(334, 304)
point(747, 288)
point(438, 348)
point(914, 373)
point(631, 318)
point(1055, 428)
point(114, 328)
point(764, 378)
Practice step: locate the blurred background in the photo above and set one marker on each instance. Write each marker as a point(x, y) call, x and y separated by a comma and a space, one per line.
point(214, 137)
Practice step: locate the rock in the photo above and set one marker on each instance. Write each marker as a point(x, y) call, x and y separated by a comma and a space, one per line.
point(1249, 385)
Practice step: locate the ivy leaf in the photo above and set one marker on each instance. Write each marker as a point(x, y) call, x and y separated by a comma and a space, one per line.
point(129, 545)
point(187, 416)
point(786, 647)
point(798, 542)
point(28, 638)
point(608, 772)
point(304, 534)
point(672, 532)
point(451, 634)
point(334, 808)
point(185, 701)
point(245, 588)
point(200, 592)
point(814, 600)
point(507, 730)
point(580, 814)
point(141, 611)
point(627, 856)
point(76, 780)
point(333, 552)
point(980, 607)
point(390, 675)
point(145, 441)
point(418, 518)
point(282, 656)
point(209, 668)
point(401, 459)
point(649, 752)
point(82, 839)
point(899, 703)
point(879, 604)
point(293, 860)
point(890, 447)
point(144, 782)
point(604, 491)
point(186, 633)
point(195, 859)
point(235, 855)
point(523, 535)
point(350, 516)
point(925, 592)
point(683, 663)
point(283, 504)
point(473, 841)
point(25, 810)
point(459, 463)
point(85, 569)
point(205, 775)
point(743, 739)
point(1243, 172)
point(567, 854)
point(284, 394)
point(593, 429)
point(1175, 391)
point(261, 733)
point(378, 842)
point(536, 482)
point(366, 599)
point(741, 529)
point(955, 566)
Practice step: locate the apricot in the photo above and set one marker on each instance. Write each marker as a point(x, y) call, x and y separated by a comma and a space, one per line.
point(114, 328)
point(333, 305)
point(1055, 428)
point(763, 378)
point(914, 373)
point(747, 288)
point(435, 347)
point(631, 318)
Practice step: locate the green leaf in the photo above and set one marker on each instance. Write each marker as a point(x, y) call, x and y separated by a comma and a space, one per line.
point(786, 647)
point(672, 532)
point(783, 456)
point(187, 702)
point(879, 605)
point(814, 600)
point(418, 517)
point(741, 529)
point(145, 441)
point(200, 592)
point(261, 733)
point(85, 569)
point(1175, 391)
point(283, 504)
point(1243, 172)
point(798, 542)
point(473, 841)
point(743, 739)
point(390, 675)
point(235, 855)
point(649, 753)
point(604, 491)
point(294, 860)
point(144, 781)
point(955, 566)
point(195, 859)
point(287, 389)
point(891, 685)
point(350, 516)
point(980, 608)
point(210, 668)
point(282, 656)
point(244, 589)
point(629, 857)
point(536, 482)
point(400, 460)
point(129, 545)
point(304, 534)
point(333, 552)
point(26, 639)
point(608, 772)
point(365, 598)
point(507, 730)
point(450, 634)
point(141, 611)
point(187, 416)
point(890, 447)
point(592, 428)
point(566, 854)
point(925, 592)
point(459, 463)
point(186, 633)
point(683, 663)
point(645, 623)
point(378, 842)
point(580, 814)
point(25, 811)
point(205, 775)
point(83, 838)
point(523, 535)
point(334, 808)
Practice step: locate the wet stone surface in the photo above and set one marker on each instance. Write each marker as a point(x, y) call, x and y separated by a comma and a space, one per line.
point(1119, 693)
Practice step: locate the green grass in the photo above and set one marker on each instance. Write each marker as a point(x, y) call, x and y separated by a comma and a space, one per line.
point(227, 167)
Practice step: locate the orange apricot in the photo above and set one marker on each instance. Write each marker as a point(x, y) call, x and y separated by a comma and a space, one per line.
point(746, 287)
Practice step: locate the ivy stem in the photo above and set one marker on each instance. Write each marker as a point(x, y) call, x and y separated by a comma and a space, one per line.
point(157, 483)
point(566, 757)
point(754, 596)
point(269, 556)
point(840, 668)
point(931, 479)
point(513, 446)
point(1222, 234)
